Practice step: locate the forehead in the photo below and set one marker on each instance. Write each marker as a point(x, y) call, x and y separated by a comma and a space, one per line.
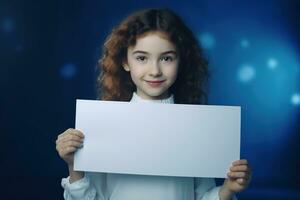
point(153, 42)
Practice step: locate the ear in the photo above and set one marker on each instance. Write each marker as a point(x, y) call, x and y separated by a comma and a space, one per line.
point(126, 67)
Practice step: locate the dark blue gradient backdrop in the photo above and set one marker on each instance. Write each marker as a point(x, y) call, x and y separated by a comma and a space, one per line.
point(49, 52)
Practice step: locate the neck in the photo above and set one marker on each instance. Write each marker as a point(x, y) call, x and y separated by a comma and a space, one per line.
point(162, 99)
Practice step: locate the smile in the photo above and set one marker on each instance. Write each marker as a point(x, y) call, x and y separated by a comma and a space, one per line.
point(155, 83)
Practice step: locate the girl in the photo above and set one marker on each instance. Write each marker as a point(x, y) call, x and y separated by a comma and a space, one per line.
point(152, 56)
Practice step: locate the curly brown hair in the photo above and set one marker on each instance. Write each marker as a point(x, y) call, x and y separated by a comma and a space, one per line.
point(115, 84)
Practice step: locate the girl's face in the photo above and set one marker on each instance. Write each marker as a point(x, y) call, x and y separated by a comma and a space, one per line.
point(153, 65)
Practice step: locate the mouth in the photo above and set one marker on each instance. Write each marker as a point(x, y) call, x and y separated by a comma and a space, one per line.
point(155, 83)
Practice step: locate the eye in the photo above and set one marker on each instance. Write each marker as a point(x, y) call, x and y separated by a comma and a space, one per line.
point(167, 58)
point(141, 58)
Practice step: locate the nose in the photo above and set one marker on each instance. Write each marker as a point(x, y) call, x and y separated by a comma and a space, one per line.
point(155, 69)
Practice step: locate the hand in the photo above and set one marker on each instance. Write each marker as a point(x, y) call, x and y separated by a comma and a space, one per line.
point(239, 177)
point(67, 143)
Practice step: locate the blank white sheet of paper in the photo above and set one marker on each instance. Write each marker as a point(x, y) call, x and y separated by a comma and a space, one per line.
point(157, 139)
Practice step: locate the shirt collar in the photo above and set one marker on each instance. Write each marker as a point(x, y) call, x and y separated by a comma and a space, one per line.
point(136, 98)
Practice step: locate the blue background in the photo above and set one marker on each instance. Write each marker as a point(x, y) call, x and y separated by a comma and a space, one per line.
point(49, 51)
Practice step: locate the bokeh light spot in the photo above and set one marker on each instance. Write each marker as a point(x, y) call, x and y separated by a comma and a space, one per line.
point(295, 99)
point(246, 73)
point(272, 63)
point(68, 71)
point(7, 25)
point(245, 43)
point(207, 40)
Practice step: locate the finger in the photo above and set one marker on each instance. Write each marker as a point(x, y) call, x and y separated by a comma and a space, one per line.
point(71, 137)
point(68, 150)
point(240, 162)
point(241, 181)
point(65, 132)
point(77, 132)
point(73, 143)
point(65, 142)
point(71, 131)
point(238, 175)
point(58, 148)
point(239, 168)
point(62, 135)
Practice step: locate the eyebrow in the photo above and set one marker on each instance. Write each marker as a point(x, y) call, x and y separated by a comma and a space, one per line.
point(145, 52)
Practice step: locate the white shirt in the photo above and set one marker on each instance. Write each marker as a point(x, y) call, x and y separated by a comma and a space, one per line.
point(104, 186)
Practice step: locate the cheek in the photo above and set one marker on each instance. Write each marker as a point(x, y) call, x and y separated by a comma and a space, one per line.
point(136, 73)
point(172, 73)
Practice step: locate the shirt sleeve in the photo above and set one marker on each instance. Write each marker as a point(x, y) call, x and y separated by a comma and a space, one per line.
point(83, 189)
point(206, 189)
